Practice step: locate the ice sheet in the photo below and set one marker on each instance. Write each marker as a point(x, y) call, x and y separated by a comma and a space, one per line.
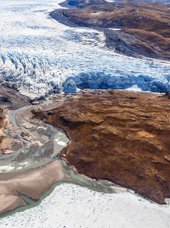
point(40, 56)
point(71, 206)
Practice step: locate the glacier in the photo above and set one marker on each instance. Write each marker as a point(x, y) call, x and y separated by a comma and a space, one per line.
point(40, 56)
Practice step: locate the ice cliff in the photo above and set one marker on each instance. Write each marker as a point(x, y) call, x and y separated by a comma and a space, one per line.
point(39, 56)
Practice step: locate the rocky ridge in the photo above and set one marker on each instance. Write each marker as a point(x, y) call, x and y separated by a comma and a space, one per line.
point(9, 100)
point(119, 136)
point(144, 27)
point(2, 135)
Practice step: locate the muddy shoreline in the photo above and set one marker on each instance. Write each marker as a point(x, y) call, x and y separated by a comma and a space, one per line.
point(18, 144)
point(21, 187)
point(36, 182)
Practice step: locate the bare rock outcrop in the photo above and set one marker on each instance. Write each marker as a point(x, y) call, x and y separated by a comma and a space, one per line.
point(119, 136)
point(2, 125)
point(145, 27)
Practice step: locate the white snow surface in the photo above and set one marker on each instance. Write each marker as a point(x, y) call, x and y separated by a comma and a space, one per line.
point(61, 143)
point(72, 206)
point(134, 88)
point(6, 167)
point(39, 56)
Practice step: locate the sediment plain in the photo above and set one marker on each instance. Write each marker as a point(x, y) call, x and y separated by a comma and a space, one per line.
point(22, 153)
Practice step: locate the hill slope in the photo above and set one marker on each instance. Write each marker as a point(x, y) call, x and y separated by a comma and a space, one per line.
point(149, 23)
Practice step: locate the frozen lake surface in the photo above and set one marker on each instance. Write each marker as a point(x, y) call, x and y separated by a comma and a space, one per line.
point(71, 206)
point(39, 56)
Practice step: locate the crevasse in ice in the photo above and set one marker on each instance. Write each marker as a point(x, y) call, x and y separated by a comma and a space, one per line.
point(39, 56)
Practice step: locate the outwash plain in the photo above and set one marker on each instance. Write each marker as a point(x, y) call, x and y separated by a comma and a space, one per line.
point(84, 114)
